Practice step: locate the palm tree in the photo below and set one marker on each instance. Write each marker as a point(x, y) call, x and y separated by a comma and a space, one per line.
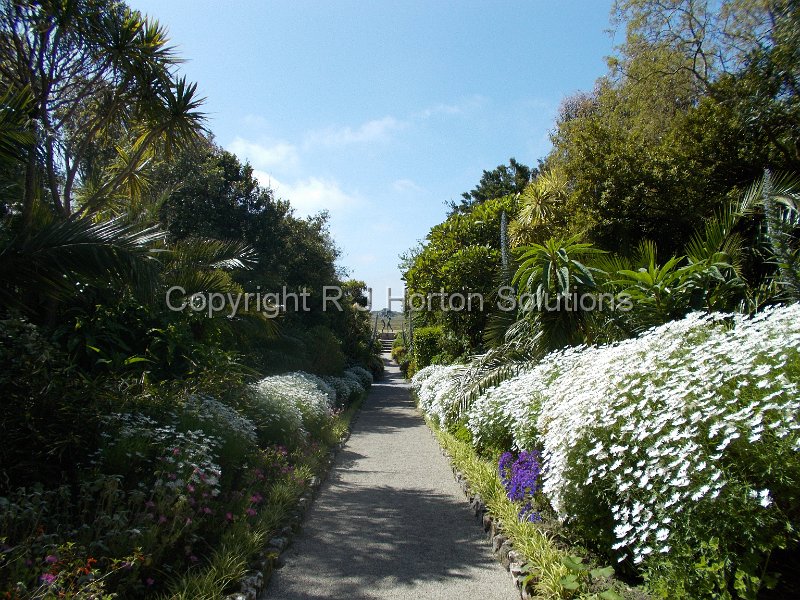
point(540, 204)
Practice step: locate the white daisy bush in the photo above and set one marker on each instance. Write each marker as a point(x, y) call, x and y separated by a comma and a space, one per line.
point(213, 415)
point(361, 375)
point(675, 452)
point(347, 389)
point(291, 406)
point(185, 457)
point(437, 388)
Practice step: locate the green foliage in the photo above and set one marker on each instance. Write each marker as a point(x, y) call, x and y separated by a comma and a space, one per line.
point(503, 180)
point(44, 398)
point(426, 346)
point(550, 279)
point(460, 256)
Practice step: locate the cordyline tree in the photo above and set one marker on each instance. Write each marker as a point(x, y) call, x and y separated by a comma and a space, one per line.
point(101, 98)
point(88, 99)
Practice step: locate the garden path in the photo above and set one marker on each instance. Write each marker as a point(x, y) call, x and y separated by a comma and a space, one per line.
point(390, 522)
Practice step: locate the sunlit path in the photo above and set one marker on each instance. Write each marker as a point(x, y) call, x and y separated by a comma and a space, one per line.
point(390, 522)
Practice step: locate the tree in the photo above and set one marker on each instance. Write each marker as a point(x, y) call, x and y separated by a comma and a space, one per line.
point(500, 181)
point(546, 210)
point(460, 256)
point(103, 97)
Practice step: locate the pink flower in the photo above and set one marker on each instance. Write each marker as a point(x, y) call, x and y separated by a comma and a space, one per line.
point(149, 581)
point(229, 516)
point(251, 512)
point(50, 559)
point(150, 504)
point(190, 488)
point(48, 578)
point(207, 510)
point(176, 451)
point(162, 519)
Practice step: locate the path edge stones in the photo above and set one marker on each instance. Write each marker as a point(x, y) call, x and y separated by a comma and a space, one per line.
point(502, 546)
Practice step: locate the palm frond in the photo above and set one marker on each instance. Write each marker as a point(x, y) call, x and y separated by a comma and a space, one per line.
point(16, 137)
point(211, 254)
point(54, 259)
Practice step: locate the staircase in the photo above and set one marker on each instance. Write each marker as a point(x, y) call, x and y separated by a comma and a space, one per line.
point(386, 340)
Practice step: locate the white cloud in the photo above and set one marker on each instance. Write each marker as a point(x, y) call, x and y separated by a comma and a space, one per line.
point(311, 195)
point(371, 131)
point(405, 185)
point(469, 105)
point(271, 155)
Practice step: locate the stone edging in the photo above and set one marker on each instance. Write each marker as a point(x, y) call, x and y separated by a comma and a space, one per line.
point(512, 561)
point(255, 582)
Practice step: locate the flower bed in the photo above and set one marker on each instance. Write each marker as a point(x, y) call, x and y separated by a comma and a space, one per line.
point(202, 484)
point(674, 453)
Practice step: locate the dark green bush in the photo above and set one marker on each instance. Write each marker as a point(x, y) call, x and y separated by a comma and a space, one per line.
point(426, 345)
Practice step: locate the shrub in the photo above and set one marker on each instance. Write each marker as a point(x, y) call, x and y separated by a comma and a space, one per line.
point(236, 434)
point(674, 452)
point(426, 345)
point(50, 416)
point(505, 416)
point(347, 389)
point(363, 376)
point(277, 421)
point(324, 351)
point(436, 388)
point(296, 395)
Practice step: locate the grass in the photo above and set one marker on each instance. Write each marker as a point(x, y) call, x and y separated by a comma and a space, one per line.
point(229, 562)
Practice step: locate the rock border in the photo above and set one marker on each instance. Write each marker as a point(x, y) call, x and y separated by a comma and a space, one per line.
point(502, 546)
point(252, 585)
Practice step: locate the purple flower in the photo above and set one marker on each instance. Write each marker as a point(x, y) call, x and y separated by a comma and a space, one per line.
point(48, 578)
point(50, 559)
point(520, 479)
point(149, 581)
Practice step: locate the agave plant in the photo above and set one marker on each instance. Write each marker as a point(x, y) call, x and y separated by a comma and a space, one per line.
point(551, 281)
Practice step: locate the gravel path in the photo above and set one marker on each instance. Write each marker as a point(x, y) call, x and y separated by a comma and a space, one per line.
point(390, 522)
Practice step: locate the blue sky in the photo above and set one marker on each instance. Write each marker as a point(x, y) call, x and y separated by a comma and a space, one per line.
point(382, 112)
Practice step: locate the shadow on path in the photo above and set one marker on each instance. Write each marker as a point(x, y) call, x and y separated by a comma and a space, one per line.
point(390, 521)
